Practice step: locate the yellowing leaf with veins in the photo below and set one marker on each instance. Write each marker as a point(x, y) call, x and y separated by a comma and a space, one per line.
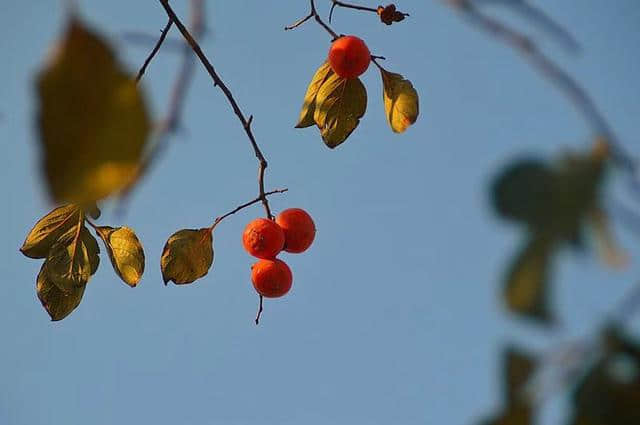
point(309, 105)
point(400, 101)
point(48, 229)
point(92, 119)
point(73, 259)
point(187, 256)
point(125, 252)
point(340, 104)
point(57, 303)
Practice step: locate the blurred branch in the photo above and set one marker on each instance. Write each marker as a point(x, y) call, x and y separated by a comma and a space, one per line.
point(538, 17)
point(549, 69)
point(217, 81)
point(143, 39)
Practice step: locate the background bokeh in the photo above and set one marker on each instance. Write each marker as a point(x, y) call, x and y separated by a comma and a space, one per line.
point(394, 315)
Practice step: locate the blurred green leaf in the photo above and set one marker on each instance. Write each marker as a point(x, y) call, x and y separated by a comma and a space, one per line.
point(519, 367)
point(526, 288)
point(48, 229)
point(92, 119)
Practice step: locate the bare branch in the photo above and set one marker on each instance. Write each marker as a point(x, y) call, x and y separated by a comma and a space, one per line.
point(259, 311)
point(313, 14)
point(246, 124)
point(245, 205)
point(349, 6)
point(155, 49)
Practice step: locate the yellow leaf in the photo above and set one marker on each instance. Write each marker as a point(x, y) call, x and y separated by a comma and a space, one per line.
point(92, 119)
point(526, 290)
point(309, 105)
point(340, 104)
point(48, 229)
point(125, 252)
point(187, 256)
point(73, 259)
point(58, 304)
point(400, 101)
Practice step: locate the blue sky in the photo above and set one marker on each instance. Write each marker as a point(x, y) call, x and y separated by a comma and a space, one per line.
point(393, 316)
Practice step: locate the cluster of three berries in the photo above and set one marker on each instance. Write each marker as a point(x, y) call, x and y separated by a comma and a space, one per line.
point(292, 231)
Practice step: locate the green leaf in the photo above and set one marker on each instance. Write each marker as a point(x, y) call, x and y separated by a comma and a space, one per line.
point(125, 252)
point(187, 256)
point(340, 104)
point(92, 119)
point(526, 289)
point(309, 105)
point(401, 101)
point(48, 229)
point(57, 303)
point(73, 259)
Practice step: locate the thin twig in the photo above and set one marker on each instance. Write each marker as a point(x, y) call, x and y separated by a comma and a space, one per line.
point(298, 22)
point(563, 81)
point(259, 311)
point(348, 6)
point(313, 14)
point(155, 49)
point(245, 205)
point(246, 124)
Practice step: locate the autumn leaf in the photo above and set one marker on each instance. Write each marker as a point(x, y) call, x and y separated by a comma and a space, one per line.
point(400, 101)
point(125, 252)
point(57, 303)
point(187, 256)
point(309, 105)
point(73, 259)
point(48, 229)
point(340, 104)
point(526, 287)
point(519, 367)
point(92, 119)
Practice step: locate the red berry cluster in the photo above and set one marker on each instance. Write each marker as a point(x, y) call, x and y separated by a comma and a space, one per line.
point(293, 230)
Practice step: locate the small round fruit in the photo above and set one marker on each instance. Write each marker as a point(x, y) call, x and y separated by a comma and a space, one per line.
point(271, 278)
point(349, 57)
point(299, 230)
point(263, 238)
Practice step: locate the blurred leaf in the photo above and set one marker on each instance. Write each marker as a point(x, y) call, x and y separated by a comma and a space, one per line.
point(400, 101)
point(523, 192)
point(514, 415)
point(125, 252)
point(340, 104)
point(526, 289)
point(187, 256)
point(610, 392)
point(48, 229)
point(609, 251)
point(309, 105)
point(57, 303)
point(519, 367)
point(92, 119)
point(73, 259)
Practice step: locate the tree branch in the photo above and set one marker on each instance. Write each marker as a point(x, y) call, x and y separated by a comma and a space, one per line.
point(246, 123)
point(245, 205)
point(313, 14)
point(155, 49)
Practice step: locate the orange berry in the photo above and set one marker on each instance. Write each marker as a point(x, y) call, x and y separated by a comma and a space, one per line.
point(299, 230)
point(349, 57)
point(263, 238)
point(271, 278)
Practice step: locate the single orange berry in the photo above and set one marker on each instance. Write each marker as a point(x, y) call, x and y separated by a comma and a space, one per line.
point(299, 229)
point(349, 57)
point(263, 238)
point(271, 278)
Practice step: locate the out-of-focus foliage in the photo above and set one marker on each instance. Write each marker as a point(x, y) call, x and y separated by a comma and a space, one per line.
point(556, 203)
point(187, 255)
point(92, 119)
point(609, 394)
point(518, 368)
